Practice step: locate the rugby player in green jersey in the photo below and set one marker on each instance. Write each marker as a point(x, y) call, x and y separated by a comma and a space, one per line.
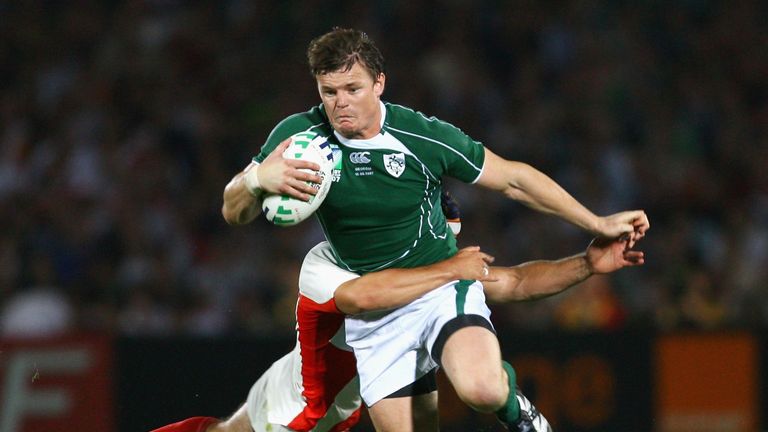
point(383, 212)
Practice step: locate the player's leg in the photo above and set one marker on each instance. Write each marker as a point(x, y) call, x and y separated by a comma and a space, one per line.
point(413, 408)
point(467, 348)
point(471, 360)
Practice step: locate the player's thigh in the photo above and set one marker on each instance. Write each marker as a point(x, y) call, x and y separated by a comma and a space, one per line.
point(471, 359)
point(406, 414)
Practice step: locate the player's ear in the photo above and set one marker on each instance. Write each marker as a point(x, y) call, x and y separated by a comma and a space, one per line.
point(378, 84)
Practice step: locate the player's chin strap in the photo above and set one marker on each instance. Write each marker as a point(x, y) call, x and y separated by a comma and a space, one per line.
point(451, 211)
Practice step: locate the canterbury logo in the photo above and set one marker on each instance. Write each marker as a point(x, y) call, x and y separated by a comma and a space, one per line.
point(359, 157)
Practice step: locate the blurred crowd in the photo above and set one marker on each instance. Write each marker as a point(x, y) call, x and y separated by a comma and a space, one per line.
point(122, 121)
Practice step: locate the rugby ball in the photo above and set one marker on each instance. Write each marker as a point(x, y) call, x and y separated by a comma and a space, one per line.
point(284, 210)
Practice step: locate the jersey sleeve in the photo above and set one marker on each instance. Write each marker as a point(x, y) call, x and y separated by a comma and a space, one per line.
point(443, 147)
point(463, 157)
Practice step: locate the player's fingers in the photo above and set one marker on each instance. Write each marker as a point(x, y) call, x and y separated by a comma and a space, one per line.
point(302, 164)
point(307, 176)
point(295, 193)
point(303, 187)
point(640, 233)
point(467, 252)
point(634, 257)
point(631, 240)
point(640, 222)
point(628, 240)
point(489, 259)
point(639, 236)
point(297, 189)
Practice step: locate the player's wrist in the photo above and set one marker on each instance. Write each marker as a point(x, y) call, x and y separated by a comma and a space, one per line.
point(251, 181)
point(586, 267)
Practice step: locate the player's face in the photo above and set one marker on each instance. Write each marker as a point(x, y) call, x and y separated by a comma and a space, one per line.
point(351, 100)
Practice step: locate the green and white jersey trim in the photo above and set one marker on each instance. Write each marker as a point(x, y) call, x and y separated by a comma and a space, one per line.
point(435, 119)
point(479, 169)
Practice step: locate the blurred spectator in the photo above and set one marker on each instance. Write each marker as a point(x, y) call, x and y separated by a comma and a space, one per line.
point(39, 309)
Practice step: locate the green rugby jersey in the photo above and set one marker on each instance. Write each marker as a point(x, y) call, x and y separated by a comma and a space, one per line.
point(383, 208)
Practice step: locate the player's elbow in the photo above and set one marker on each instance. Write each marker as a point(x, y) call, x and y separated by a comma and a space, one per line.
point(352, 306)
point(515, 193)
point(519, 176)
point(347, 305)
point(237, 212)
point(351, 301)
point(361, 302)
point(230, 216)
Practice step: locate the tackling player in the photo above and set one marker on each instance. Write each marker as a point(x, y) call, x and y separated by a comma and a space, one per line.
point(315, 386)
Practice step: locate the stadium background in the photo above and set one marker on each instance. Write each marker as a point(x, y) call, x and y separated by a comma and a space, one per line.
point(126, 302)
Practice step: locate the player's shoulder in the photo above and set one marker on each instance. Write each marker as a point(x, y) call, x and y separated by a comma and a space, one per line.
point(313, 120)
point(403, 119)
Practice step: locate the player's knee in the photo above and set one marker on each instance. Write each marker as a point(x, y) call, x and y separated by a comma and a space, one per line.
point(483, 397)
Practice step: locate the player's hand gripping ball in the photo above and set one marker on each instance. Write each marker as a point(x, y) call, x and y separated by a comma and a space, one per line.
point(285, 210)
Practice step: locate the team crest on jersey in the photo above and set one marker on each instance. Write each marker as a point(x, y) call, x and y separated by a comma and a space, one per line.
point(394, 163)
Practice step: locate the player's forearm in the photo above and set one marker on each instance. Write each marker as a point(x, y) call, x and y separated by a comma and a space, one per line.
point(538, 191)
point(537, 279)
point(390, 288)
point(240, 205)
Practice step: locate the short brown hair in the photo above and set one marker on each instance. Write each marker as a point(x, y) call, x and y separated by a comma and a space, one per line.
point(340, 49)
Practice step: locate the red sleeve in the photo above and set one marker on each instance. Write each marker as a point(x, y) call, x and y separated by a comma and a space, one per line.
point(325, 369)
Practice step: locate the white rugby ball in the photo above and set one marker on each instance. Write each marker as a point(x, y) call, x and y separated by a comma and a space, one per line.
point(284, 210)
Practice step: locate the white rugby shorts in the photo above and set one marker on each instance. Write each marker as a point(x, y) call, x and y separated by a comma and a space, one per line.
point(395, 348)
